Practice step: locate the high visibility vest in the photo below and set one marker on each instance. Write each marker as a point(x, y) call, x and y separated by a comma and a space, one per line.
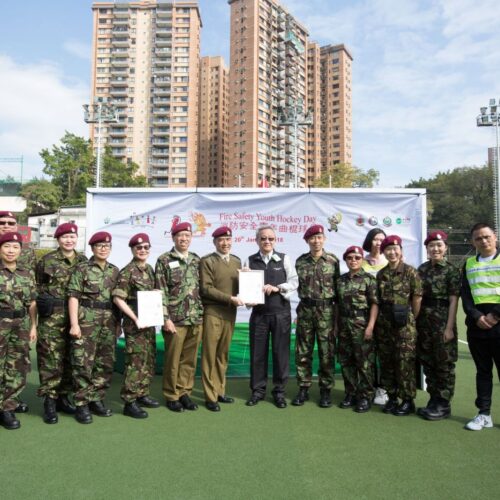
point(484, 280)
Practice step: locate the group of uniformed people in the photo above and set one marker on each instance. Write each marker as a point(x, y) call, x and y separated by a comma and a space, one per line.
point(382, 307)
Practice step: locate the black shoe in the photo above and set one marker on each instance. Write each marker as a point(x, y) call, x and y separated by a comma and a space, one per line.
point(49, 411)
point(325, 399)
point(64, 404)
point(405, 408)
point(391, 404)
point(98, 408)
point(280, 401)
point(148, 402)
point(21, 407)
point(348, 402)
point(421, 412)
point(225, 399)
point(134, 410)
point(175, 406)
point(254, 400)
point(82, 414)
point(301, 397)
point(9, 420)
point(185, 401)
point(363, 405)
point(212, 406)
point(439, 411)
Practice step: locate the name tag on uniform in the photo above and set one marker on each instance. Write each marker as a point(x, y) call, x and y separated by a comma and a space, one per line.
point(173, 264)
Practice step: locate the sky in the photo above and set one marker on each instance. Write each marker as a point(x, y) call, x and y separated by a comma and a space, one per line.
point(421, 71)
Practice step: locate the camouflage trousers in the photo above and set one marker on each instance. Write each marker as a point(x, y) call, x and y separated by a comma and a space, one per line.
point(140, 357)
point(436, 356)
point(14, 360)
point(356, 356)
point(396, 348)
point(53, 355)
point(93, 355)
point(315, 324)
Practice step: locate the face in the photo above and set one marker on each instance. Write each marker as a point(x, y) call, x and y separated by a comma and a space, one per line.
point(101, 251)
point(354, 261)
point(484, 241)
point(141, 251)
point(9, 252)
point(436, 250)
point(377, 241)
point(393, 253)
point(182, 240)
point(223, 244)
point(7, 225)
point(316, 242)
point(67, 242)
point(266, 241)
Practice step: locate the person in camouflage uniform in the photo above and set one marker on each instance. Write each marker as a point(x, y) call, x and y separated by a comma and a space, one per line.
point(17, 326)
point(318, 272)
point(400, 295)
point(140, 353)
point(177, 276)
point(94, 328)
point(436, 327)
point(27, 260)
point(53, 343)
point(358, 309)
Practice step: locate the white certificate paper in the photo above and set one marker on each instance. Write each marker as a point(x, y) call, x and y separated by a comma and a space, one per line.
point(251, 287)
point(150, 308)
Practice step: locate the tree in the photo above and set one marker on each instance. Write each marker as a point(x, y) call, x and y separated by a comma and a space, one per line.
point(41, 194)
point(115, 173)
point(346, 175)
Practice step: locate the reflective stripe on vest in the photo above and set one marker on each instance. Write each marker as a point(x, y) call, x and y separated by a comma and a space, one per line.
point(484, 280)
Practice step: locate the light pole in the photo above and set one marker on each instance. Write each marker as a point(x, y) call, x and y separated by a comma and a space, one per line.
point(490, 117)
point(100, 112)
point(294, 116)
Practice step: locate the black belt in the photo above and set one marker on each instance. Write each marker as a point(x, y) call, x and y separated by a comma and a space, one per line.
point(96, 304)
point(386, 306)
point(316, 302)
point(431, 302)
point(11, 314)
point(352, 313)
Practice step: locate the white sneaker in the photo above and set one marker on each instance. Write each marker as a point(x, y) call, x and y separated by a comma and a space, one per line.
point(479, 422)
point(381, 396)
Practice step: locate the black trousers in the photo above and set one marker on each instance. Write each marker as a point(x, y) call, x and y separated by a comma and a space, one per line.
point(263, 326)
point(484, 352)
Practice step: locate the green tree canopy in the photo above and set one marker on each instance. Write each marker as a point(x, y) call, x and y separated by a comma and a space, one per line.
point(115, 173)
point(40, 194)
point(344, 175)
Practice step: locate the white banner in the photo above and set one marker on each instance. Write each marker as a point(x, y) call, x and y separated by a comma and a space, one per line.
point(346, 214)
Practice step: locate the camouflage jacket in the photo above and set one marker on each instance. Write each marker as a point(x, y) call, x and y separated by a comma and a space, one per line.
point(398, 286)
point(17, 288)
point(27, 259)
point(53, 272)
point(90, 282)
point(317, 278)
point(356, 293)
point(179, 280)
point(440, 280)
point(133, 278)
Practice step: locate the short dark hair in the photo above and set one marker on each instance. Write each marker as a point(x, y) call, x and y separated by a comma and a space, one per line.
point(480, 225)
point(367, 244)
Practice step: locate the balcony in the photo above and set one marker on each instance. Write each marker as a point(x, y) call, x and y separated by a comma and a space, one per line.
point(161, 132)
point(160, 152)
point(162, 70)
point(163, 42)
point(120, 42)
point(120, 12)
point(163, 52)
point(119, 81)
point(162, 81)
point(161, 91)
point(163, 31)
point(161, 111)
point(117, 132)
point(161, 100)
point(120, 102)
point(119, 62)
point(160, 142)
point(163, 12)
point(118, 152)
point(119, 51)
point(118, 91)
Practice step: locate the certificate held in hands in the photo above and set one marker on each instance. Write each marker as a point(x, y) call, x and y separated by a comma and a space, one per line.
point(251, 286)
point(150, 308)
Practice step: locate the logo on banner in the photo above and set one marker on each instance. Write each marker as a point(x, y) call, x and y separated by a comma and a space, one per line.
point(387, 221)
point(333, 221)
point(373, 221)
point(360, 220)
point(404, 220)
point(142, 220)
point(200, 223)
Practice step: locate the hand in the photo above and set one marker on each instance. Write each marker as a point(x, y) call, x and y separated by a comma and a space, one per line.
point(269, 289)
point(139, 325)
point(236, 301)
point(169, 327)
point(75, 331)
point(448, 334)
point(492, 319)
point(484, 323)
point(245, 269)
point(118, 330)
point(368, 333)
point(33, 334)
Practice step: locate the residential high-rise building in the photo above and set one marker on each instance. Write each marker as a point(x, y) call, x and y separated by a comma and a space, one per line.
point(213, 118)
point(492, 157)
point(146, 57)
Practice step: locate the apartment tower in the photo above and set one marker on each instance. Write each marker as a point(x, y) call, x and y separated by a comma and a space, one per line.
point(145, 62)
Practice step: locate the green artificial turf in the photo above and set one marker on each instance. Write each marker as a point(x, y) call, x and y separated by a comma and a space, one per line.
point(259, 452)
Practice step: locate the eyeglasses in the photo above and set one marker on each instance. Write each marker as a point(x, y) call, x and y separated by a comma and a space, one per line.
point(267, 238)
point(142, 247)
point(102, 246)
point(354, 257)
point(7, 223)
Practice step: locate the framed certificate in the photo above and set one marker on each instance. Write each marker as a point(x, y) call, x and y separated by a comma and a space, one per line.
point(150, 308)
point(251, 286)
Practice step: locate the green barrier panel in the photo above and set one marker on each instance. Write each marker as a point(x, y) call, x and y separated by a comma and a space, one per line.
point(239, 355)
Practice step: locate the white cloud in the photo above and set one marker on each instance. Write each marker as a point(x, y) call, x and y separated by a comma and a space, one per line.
point(37, 105)
point(78, 49)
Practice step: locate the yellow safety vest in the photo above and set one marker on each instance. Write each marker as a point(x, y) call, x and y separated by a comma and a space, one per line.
point(484, 280)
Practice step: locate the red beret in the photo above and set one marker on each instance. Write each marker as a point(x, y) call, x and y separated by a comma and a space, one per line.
point(353, 249)
point(183, 226)
point(222, 231)
point(138, 238)
point(436, 236)
point(393, 239)
point(316, 229)
point(67, 227)
point(6, 213)
point(14, 236)
point(100, 237)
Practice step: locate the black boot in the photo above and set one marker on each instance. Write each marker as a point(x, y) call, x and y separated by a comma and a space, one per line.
point(134, 410)
point(83, 415)
point(21, 407)
point(421, 412)
point(439, 411)
point(65, 405)
point(49, 411)
point(405, 408)
point(98, 408)
point(348, 402)
point(391, 404)
point(324, 399)
point(9, 420)
point(301, 397)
